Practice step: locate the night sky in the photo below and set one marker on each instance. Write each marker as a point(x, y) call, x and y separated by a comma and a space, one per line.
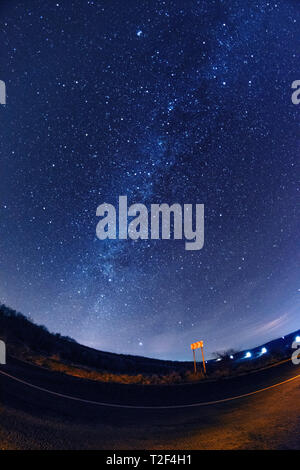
point(162, 101)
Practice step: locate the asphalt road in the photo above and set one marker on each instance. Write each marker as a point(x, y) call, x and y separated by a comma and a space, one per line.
point(252, 411)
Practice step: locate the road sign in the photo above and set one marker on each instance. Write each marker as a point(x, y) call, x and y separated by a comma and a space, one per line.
point(197, 345)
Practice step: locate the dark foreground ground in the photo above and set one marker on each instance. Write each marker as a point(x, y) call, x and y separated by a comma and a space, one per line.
point(34, 419)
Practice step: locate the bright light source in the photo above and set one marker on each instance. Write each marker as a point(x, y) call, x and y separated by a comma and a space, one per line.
point(248, 354)
point(264, 350)
point(297, 339)
point(231, 357)
point(219, 359)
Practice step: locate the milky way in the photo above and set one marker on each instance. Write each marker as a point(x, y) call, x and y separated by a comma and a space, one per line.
point(162, 101)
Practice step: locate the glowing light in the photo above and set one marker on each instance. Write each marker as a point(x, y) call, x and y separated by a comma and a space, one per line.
point(231, 357)
point(297, 339)
point(248, 354)
point(264, 350)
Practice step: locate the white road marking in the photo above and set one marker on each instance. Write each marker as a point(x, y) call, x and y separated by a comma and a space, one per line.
point(115, 405)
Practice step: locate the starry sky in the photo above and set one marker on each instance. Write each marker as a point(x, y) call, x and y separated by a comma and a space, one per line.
point(162, 101)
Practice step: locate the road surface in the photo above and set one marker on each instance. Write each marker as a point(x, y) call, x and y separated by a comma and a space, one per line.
point(40, 409)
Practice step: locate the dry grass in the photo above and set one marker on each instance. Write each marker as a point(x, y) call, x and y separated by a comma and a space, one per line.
point(217, 371)
point(54, 363)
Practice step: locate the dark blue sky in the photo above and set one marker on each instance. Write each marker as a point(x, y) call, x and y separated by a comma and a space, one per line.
point(162, 101)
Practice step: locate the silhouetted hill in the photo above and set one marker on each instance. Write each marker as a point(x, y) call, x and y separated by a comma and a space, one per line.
point(21, 335)
point(28, 341)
